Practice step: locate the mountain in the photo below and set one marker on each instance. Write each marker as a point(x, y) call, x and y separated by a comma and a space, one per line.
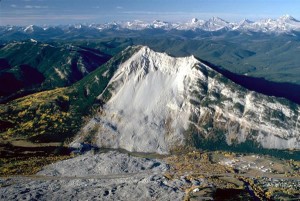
point(146, 101)
point(215, 24)
point(265, 49)
point(283, 25)
point(158, 103)
point(56, 115)
point(31, 66)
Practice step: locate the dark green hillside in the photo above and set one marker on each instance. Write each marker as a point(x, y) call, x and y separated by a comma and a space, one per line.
point(29, 66)
point(56, 115)
point(272, 57)
point(231, 57)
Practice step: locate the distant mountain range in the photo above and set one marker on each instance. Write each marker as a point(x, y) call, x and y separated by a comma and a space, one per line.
point(284, 25)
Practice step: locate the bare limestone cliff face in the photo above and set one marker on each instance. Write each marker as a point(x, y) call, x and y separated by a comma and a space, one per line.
point(155, 103)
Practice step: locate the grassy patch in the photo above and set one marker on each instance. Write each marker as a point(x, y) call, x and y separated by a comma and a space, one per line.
point(28, 160)
point(27, 165)
point(47, 113)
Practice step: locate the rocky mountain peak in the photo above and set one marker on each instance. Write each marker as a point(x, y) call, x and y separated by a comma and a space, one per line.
point(156, 103)
point(149, 102)
point(246, 21)
point(29, 29)
point(287, 18)
point(194, 20)
point(147, 60)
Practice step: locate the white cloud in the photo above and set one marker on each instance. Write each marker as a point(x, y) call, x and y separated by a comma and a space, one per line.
point(36, 7)
point(119, 7)
point(178, 16)
point(13, 5)
point(45, 19)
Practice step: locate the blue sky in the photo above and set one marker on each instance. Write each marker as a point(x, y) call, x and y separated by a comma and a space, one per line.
point(55, 12)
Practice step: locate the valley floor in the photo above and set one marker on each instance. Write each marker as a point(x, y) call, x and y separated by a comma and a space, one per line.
point(186, 175)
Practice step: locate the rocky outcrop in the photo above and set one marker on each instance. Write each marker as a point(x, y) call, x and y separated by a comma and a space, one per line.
point(104, 176)
point(155, 103)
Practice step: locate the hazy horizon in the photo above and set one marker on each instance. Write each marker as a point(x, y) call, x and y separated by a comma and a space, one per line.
point(57, 12)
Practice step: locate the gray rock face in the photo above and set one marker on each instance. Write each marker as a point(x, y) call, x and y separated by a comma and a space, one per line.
point(110, 163)
point(240, 115)
point(154, 102)
point(106, 176)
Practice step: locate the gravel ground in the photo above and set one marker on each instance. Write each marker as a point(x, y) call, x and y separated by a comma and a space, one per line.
point(105, 176)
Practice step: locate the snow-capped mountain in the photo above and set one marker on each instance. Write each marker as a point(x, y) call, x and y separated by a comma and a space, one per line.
point(192, 25)
point(282, 25)
point(157, 103)
point(32, 28)
point(285, 23)
point(243, 25)
point(215, 24)
point(137, 25)
point(29, 29)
